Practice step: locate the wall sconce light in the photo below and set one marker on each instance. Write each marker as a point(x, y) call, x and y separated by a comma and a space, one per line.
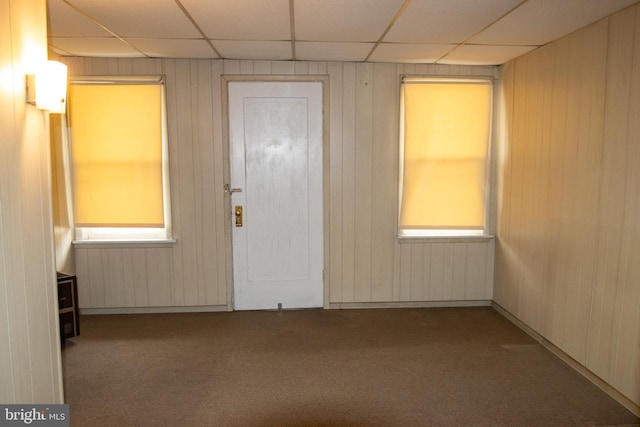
point(47, 89)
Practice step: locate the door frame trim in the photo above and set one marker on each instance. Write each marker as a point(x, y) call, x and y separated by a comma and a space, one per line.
point(324, 80)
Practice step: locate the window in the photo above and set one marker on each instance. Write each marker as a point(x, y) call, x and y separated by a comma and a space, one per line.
point(445, 133)
point(119, 159)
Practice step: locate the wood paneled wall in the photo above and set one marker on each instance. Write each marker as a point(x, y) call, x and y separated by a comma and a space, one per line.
point(568, 234)
point(30, 363)
point(367, 263)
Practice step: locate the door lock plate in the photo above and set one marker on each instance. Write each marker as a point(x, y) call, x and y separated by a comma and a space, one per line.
point(238, 216)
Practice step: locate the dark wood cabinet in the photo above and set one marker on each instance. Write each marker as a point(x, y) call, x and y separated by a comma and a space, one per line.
point(68, 306)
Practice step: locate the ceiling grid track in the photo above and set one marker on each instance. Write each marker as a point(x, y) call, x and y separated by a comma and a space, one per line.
point(464, 42)
point(384, 34)
point(195, 24)
point(293, 30)
point(95, 21)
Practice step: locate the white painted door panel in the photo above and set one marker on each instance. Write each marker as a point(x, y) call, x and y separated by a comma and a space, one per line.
point(275, 131)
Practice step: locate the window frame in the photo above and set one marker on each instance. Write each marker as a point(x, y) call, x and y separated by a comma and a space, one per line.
point(434, 235)
point(88, 235)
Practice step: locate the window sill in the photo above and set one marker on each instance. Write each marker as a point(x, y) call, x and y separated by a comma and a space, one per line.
point(150, 243)
point(481, 238)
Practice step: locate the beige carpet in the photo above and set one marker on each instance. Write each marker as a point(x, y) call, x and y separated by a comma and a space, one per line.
point(387, 367)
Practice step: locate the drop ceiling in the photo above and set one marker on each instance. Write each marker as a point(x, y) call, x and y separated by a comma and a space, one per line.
point(481, 32)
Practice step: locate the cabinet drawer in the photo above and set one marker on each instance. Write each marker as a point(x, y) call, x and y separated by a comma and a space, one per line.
point(65, 294)
point(67, 326)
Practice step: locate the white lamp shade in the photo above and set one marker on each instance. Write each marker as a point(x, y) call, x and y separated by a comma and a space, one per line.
point(51, 87)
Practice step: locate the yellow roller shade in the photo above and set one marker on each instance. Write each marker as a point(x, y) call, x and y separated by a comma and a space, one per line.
point(116, 154)
point(446, 136)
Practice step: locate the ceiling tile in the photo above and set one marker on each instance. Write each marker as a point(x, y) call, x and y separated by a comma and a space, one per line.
point(332, 30)
point(409, 53)
point(331, 51)
point(65, 21)
point(451, 21)
point(346, 21)
point(94, 46)
point(174, 48)
point(538, 22)
point(259, 50)
point(484, 54)
point(140, 18)
point(241, 19)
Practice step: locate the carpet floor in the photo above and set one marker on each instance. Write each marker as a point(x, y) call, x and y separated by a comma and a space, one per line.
point(379, 367)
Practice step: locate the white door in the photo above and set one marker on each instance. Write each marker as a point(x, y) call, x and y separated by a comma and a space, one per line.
point(275, 131)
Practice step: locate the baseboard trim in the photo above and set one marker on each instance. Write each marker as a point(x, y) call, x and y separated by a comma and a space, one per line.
point(409, 304)
point(151, 310)
point(332, 306)
point(577, 366)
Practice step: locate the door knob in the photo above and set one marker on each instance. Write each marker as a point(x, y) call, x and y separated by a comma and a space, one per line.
point(238, 216)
